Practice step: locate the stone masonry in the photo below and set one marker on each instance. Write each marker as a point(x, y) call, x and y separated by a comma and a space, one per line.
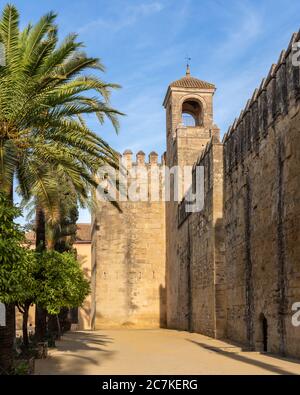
point(232, 269)
point(128, 248)
point(262, 213)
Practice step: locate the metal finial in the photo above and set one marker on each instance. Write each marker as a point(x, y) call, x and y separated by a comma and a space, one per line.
point(188, 71)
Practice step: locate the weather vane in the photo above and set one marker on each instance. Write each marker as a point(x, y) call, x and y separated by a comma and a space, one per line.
point(188, 59)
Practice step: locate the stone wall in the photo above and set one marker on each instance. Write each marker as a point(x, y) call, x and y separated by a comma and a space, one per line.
point(201, 251)
point(262, 213)
point(184, 151)
point(129, 258)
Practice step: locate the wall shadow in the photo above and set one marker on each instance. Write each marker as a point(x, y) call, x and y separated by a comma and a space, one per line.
point(243, 358)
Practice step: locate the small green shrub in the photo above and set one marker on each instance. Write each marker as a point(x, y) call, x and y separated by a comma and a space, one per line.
point(21, 369)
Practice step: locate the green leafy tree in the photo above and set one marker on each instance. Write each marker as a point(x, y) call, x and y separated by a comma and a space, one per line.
point(61, 281)
point(17, 265)
point(55, 196)
point(56, 281)
point(60, 228)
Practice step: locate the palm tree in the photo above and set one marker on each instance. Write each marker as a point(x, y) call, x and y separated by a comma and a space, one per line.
point(43, 96)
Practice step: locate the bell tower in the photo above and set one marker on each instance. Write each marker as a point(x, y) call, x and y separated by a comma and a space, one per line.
point(189, 127)
point(189, 119)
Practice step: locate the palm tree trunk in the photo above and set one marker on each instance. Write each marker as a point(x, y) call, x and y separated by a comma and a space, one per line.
point(51, 244)
point(7, 335)
point(40, 245)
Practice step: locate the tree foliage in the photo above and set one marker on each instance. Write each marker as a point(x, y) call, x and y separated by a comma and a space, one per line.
point(60, 281)
point(52, 279)
point(61, 228)
point(46, 89)
point(17, 263)
point(62, 234)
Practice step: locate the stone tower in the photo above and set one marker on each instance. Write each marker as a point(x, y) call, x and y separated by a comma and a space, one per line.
point(128, 251)
point(189, 111)
point(189, 126)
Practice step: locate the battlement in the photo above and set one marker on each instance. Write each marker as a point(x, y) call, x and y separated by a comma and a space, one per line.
point(140, 159)
point(277, 96)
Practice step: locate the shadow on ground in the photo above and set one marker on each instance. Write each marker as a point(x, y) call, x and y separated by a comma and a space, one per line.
point(242, 358)
point(74, 350)
point(76, 341)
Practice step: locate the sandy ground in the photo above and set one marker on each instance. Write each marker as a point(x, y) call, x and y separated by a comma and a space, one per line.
point(156, 352)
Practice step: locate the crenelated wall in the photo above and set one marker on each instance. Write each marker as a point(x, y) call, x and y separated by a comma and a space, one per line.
point(262, 213)
point(129, 254)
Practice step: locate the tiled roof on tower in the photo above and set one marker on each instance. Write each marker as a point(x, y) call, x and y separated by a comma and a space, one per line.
point(190, 82)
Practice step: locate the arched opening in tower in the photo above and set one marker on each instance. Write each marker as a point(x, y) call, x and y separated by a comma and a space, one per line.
point(192, 113)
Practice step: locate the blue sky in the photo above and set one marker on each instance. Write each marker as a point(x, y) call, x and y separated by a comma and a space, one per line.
point(143, 45)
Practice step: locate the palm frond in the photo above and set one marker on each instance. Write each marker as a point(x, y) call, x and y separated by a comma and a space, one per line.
point(35, 37)
point(45, 93)
point(9, 35)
